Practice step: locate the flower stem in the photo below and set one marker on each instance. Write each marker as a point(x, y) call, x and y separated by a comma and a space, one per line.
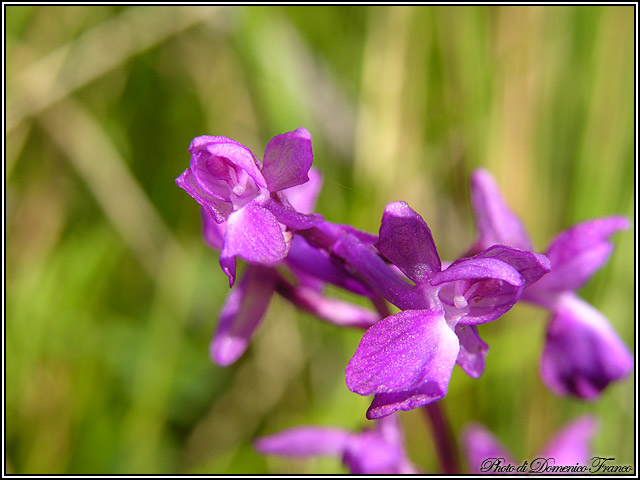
point(445, 443)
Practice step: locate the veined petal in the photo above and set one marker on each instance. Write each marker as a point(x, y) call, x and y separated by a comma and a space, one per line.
point(303, 197)
point(478, 290)
point(218, 208)
point(583, 353)
point(475, 268)
point(578, 252)
point(253, 234)
point(570, 446)
point(241, 314)
point(211, 154)
point(472, 350)
point(496, 223)
point(408, 350)
point(406, 241)
point(287, 159)
point(380, 276)
point(289, 217)
point(305, 441)
point(482, 449)
point(531, 266)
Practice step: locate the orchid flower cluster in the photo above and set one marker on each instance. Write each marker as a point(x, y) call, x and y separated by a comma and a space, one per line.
point(262, 212)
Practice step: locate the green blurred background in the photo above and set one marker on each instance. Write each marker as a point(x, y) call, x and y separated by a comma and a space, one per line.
point(112, 296)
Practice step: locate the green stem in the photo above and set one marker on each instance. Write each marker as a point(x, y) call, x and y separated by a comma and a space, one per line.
point(445, 443)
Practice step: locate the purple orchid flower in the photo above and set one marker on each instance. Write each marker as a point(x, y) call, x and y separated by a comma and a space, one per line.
point(248, 301)
point(406, 359)
point(372, 451)
point(233, 186)
point(582, 354)
point(568, 448)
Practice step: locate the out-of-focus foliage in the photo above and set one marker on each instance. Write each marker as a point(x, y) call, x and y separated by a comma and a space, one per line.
point(111, 295)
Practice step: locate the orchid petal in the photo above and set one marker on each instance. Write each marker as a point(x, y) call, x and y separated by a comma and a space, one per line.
point(289, 217)
point(370, 453)
point(241, 314)
point(305, 441)
point(483, 449)
point(253, 234)
point(531, 266)
point(384, 404)
point(210, 157)
point(475, 268)
point(405, 351)
point(303, 197)
point(570, 446)
point(478, 290)
point(583, 353)
point(217, 207)
point(287, 159)
point(472, 350)
point(213, 232)
point(578, 252)
point(496, 223)
point(406, 241)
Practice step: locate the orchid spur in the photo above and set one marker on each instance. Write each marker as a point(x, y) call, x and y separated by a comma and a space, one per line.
point(582, 354)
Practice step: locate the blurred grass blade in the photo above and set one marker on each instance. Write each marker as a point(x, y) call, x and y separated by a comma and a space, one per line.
point(95, 53)
point(90, 151)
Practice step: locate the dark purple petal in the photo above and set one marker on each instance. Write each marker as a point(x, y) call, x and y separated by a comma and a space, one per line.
point(332, 310)
point(583, 353)
point(482, 449)
point(217, 207)
point(478, 290)
point(211, 158)
point(570, 446)
point(405, 351)
point(380, 276)
point(384, 404)
point(241, 314)
point(253, 234)
point(303, 197)
point(287, 160)
point(406, 241)
point(305, 442)
point(320, 264)
point(289, 217)
point(370, 453)
point(578, 252)
point(496, 223)
point(213, 232)
point(472, 350)
point(531, 266)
